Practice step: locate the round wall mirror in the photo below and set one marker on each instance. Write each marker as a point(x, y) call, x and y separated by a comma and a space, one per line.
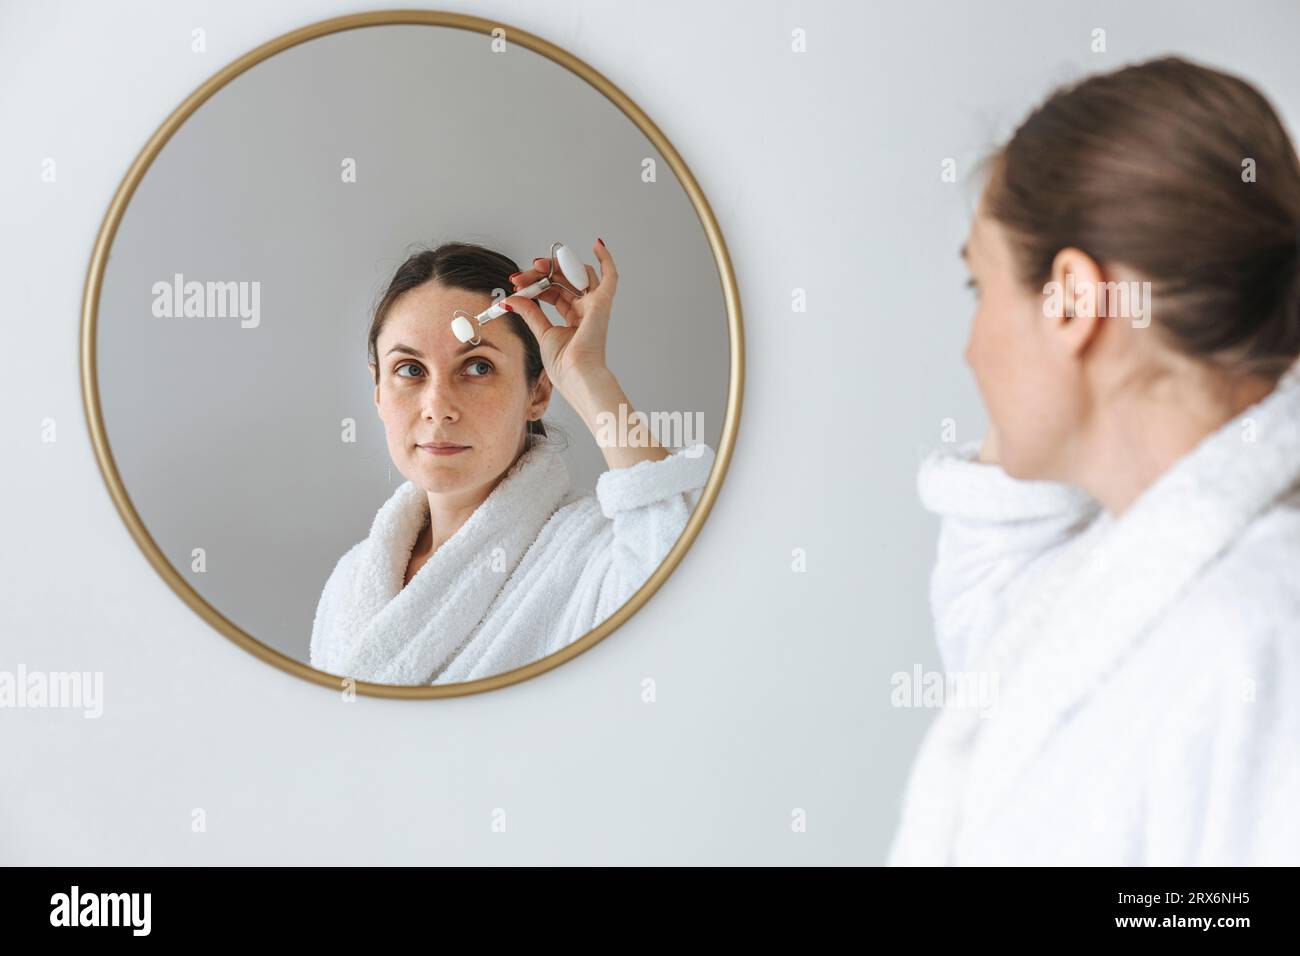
point(412, 354)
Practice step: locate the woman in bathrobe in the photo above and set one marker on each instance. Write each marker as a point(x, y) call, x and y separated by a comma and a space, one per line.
point(1122, 551)
point(485, 559)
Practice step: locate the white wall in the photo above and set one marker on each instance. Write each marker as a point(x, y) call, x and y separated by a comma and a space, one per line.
point(773, 687)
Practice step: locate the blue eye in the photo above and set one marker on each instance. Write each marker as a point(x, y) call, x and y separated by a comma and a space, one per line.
point(399, 368)
point(479, 362)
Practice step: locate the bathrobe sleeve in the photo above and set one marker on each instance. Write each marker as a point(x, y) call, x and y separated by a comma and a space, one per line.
point(994, 531)
point(648, 506)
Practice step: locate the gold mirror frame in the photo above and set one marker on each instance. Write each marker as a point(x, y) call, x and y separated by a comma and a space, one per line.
point(90, 382)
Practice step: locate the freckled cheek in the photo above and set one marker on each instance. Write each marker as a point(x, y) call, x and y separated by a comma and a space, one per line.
point(399, 403)
point(400, 408)
point(490, 403)
point(482, 403)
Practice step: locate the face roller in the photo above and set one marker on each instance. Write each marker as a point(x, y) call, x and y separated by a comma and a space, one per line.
point(466, 327)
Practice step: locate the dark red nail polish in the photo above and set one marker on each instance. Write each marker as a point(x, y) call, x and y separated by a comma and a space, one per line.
point(506, 306)
point(601, 241)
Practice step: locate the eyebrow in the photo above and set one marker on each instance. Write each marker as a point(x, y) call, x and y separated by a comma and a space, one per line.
point(467, 347)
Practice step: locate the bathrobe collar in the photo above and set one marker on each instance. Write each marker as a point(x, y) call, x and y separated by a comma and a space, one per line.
point(1092, 607)
point(405, 635)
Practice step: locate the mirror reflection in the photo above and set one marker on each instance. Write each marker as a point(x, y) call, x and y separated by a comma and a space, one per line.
point(406, 380)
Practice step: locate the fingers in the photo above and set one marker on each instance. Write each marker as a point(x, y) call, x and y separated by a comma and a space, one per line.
point(540, 268)
point(530, 312)
point(529, 276)
point(607, 269)
point(607, 279)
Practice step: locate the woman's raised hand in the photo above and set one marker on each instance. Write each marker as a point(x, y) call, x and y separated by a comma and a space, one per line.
point(573, 353)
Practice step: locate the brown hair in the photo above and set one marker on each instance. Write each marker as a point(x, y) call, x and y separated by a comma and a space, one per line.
point(460, 265)
point(1145, 167)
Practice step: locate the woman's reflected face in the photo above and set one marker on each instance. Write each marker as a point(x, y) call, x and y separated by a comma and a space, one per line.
point(433, 390)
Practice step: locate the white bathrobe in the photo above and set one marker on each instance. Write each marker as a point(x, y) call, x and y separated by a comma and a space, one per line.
point(1147, 706)
point(534, 568)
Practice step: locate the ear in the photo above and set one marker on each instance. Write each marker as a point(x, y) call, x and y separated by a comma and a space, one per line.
point(371, 366)
point(541, 398)
point(1070, 302)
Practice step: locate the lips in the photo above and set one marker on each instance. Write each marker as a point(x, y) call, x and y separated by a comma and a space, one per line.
point(442, 448)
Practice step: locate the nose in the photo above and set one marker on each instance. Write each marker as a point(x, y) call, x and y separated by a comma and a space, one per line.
point(438, 400)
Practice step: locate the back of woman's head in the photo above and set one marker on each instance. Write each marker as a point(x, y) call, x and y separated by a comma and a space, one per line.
point(1182, 173)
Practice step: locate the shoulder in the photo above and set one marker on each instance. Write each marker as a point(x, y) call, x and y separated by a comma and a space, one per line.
point(1223, 679)
point(1265, 560)
point(330, 605)
point(342, 568)
point(1234, 636)
point(1247, 602)
point(578, 513)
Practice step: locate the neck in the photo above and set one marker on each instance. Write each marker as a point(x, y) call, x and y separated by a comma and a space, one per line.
point(1147, 433)
point(448, 511)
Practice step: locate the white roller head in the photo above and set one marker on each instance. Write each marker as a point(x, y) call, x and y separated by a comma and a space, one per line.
point(462, 328)
point(572, 267)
